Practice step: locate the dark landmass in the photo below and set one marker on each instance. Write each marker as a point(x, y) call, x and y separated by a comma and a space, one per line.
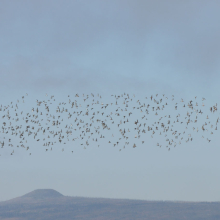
point(48, 204)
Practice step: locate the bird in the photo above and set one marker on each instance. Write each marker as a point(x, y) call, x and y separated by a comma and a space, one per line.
point(50, 122)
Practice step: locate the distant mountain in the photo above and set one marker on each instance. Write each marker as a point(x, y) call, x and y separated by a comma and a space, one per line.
point(48, 204)
point(43, 194)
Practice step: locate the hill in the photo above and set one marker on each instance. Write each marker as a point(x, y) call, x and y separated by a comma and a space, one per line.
point(43, 194)
point(47, 204)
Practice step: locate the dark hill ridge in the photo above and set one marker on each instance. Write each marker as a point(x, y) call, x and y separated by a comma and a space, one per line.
point(43, 194)
point(48, 204)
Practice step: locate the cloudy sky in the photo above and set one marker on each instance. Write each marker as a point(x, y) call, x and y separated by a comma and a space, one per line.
point(140, 47)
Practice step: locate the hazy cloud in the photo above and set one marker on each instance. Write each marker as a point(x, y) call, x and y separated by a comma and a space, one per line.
point(127, 38)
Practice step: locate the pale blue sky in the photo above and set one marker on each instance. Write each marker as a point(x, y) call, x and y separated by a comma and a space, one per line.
point(110, 47)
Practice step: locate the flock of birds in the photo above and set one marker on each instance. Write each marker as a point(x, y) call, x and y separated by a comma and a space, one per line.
point(86, 120)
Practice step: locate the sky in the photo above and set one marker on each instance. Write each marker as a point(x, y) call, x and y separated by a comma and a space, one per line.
point(140, 48)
